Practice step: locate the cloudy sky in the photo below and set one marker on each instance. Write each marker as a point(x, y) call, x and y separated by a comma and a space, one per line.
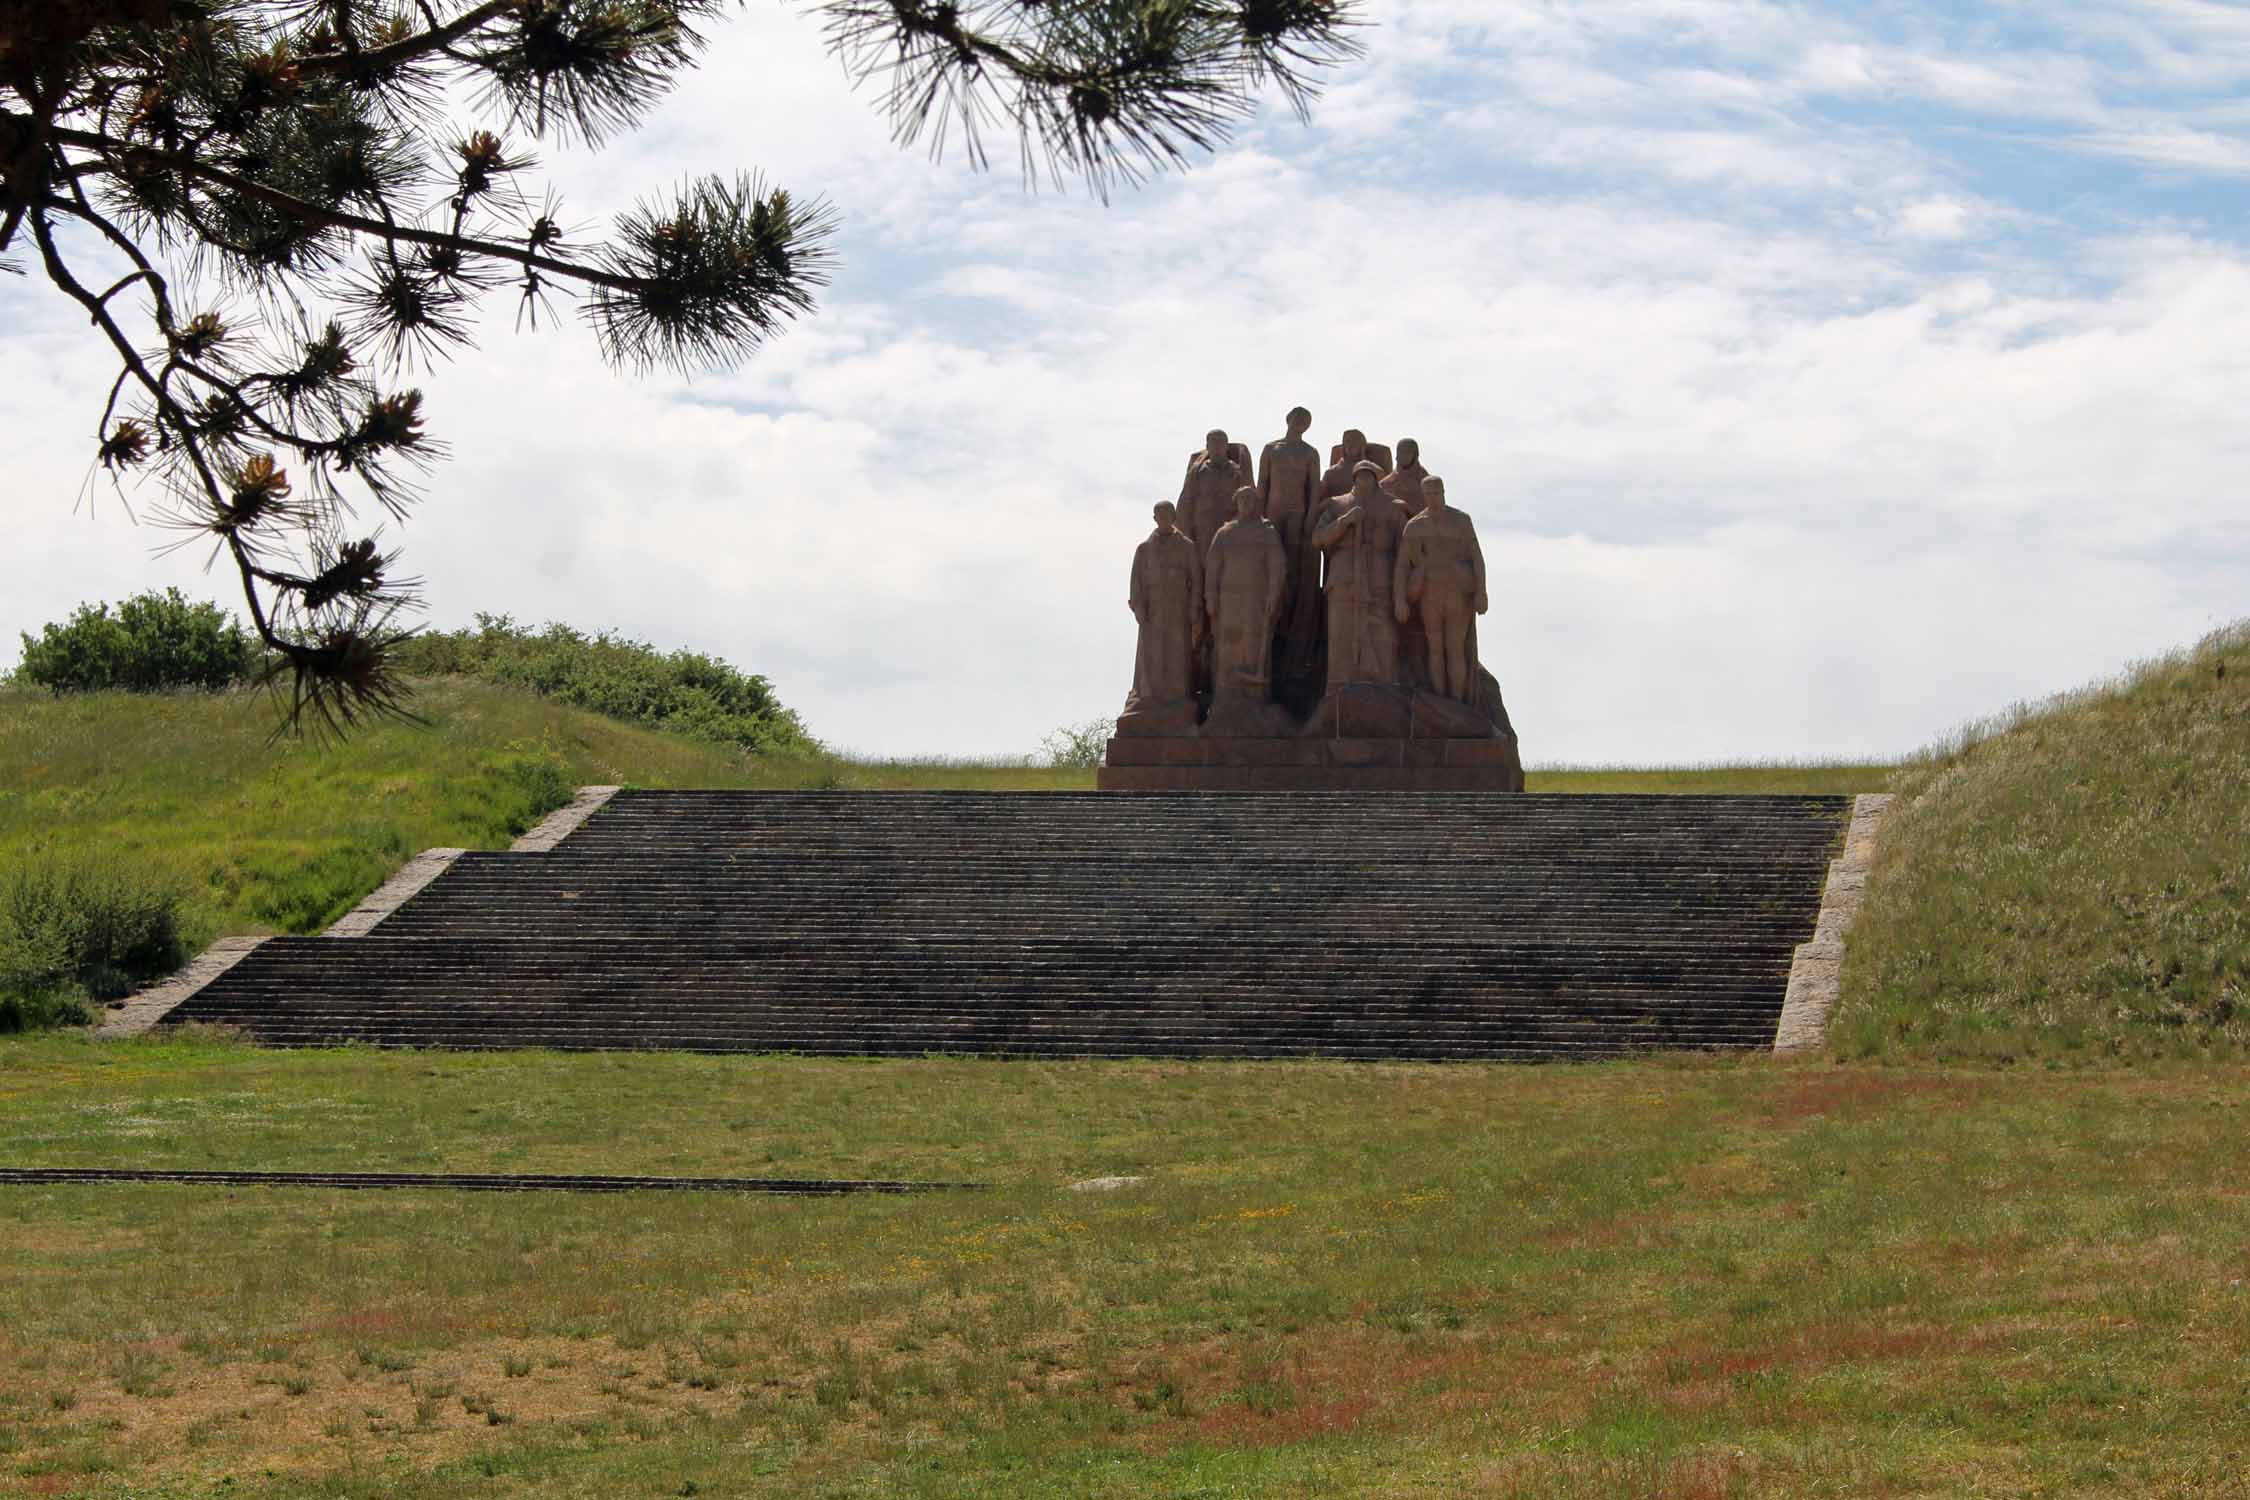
point(1819, 376)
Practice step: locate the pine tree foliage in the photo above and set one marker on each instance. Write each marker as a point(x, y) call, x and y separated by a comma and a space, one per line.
point(266, 214)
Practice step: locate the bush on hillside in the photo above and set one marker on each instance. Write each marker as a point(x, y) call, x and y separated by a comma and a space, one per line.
point(71, 930)
point(2070, 880)
point(1078, 747)
point(151, 642)
point(685, 692)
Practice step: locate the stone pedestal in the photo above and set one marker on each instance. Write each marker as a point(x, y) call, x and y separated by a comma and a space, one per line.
point(1311, 763)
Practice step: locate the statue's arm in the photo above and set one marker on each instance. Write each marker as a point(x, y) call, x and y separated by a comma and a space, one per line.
point(1136, 597)
point(1329, 532)
point(1277, 573)
point(1402, 575)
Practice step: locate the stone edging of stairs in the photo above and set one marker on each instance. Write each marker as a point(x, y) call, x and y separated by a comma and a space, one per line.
point(393, 893)
point(563, 821)
point(143, 1010)
point(147, 1007)
point(1816, 972)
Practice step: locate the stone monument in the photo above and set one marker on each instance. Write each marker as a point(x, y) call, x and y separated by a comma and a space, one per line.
point(1323, 638)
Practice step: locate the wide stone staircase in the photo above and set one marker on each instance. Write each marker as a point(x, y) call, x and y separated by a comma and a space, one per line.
point(1352, 925)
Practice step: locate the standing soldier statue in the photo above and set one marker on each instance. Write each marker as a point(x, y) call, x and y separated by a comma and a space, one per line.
point(1359, 533)
point(1244, 579)
point(1404, 484)
point(1167, 600)
point(1345, 458)
point(1207, 494)
point(1440, 568)
point(1289, 483)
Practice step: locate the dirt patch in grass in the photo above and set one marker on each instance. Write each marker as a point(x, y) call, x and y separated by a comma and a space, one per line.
point(1541, 1476)
point(1638, 1231)
point(1685, 1365)
point(1851, 1092)
point(304, 1415)
point(1325, 1383)
point(27, 1241)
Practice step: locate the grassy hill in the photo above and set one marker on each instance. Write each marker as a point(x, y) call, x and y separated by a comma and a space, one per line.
point(286, 835)
point(2070, 880)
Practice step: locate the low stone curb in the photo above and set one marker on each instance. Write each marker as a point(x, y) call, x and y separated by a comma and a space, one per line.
point(151, 1005)
point(393, 893)
point(145, 1009)
point(1816, 973)
point(564, 821)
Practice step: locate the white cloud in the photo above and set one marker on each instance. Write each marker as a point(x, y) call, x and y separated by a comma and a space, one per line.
point(1935, 219)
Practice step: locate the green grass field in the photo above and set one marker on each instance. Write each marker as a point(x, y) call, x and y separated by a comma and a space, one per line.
point(1669, 1278)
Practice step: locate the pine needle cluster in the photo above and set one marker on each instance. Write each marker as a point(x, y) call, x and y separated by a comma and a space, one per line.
point(262, 210)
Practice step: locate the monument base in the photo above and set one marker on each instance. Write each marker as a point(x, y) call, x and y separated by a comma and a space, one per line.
point(1310, 764)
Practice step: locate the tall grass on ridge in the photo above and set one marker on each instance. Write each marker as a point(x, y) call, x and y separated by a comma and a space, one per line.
point(680, 692)
point(2070, 879)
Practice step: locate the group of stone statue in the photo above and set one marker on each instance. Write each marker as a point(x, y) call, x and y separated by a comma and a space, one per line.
point(1265, 596)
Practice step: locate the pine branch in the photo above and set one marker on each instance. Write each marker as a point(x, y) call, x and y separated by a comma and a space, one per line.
point(292, 145)
point(337, 218)
point(367, 62)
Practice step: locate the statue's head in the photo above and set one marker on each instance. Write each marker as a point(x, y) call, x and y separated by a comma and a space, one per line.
point(1365, 475)
point(1167, 516)
point(1409, 453)
point(1215, 443)
point(1247, 505)
point(1355, 442)
point(1300, 421)
point(1433, 493)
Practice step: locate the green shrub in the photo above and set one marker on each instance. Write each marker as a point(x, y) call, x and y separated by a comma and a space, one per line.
point(77, 929)
point(684, 692)
point(152, 642)
point(43, 1011)
point(1079, 746)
